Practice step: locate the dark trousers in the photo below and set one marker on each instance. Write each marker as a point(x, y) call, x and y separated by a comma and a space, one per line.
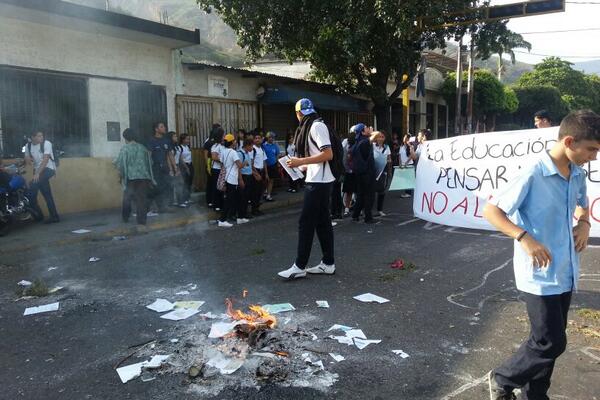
point(43, 186)
point(245, 195)
point(136, 191)
point(209, 189)
point(380, 200)
point(188, 180)
point(217, 195)
point(531, 366)
point(231, 202)
point(365, 196)
point(163, 192)
point(315, 217)
point(337, 205)
point(257, 190)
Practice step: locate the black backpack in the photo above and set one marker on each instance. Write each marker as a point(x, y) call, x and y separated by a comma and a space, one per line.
point(54, 156)
point(336, 164)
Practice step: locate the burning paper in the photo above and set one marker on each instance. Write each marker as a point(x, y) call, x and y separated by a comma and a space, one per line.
point(370, 298)
point(278, 308)
point(400, 353)
point(41, 309)
point(161, 305)
point(322, 304)
point(220, 329)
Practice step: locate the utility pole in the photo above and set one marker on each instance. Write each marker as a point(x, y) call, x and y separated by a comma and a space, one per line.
point(470, 92)
point(458, 111)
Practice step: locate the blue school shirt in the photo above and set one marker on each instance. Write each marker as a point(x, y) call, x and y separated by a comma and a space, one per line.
point(272, 151)
point(249, 158)
point(543, 202)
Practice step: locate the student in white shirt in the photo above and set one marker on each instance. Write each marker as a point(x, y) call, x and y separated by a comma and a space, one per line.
point(260, 174)
point(186, 166)
point(39, 154)
point(314, 152)
point(215, 152)
point(230, 160)
point(382, 155)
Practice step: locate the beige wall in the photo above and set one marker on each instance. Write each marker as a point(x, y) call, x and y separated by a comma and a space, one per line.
point(195, 83)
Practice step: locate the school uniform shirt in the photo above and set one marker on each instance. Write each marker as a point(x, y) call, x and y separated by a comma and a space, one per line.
point(272, 152)
point(381, 155)
point(217, 148)
point(405, 158)
point(186, 154)
point(177, 150)
point(247, 160)
point(37, 156)
point(259, 160)
point(229, 157)
point(160, 147)
point(321, 172)
point(542, 202)
point(291, 150)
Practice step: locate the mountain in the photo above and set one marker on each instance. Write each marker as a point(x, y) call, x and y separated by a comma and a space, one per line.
point(589, 67)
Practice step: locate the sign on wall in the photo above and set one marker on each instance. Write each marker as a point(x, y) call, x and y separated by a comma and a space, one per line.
point(455, 176)
point(218, 86)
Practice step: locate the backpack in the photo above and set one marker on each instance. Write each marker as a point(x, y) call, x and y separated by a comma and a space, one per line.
point(54, 156)
point(336, 164)
point(359, 164)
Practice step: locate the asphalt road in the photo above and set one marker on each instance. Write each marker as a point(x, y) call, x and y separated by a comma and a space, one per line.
point(456, 313)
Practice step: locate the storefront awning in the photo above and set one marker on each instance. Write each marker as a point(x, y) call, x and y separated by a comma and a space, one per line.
point(322, 101)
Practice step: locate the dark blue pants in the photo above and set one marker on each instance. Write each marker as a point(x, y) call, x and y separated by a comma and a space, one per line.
point(315, 217)
point(43, 186)
point(530, 368)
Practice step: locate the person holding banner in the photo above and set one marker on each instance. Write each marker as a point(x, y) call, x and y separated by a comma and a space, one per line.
point(541, 205)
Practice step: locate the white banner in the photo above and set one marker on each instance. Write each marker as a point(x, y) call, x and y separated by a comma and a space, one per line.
point(455, 176)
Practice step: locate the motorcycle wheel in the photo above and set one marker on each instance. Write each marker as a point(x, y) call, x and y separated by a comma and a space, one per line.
point(35, 215)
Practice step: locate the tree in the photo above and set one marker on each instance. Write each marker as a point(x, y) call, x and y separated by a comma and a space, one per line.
point(358, 46)
point(491, 98)
point(497, 39)
point(593, 83)
point(571, 84)
point(535, 98)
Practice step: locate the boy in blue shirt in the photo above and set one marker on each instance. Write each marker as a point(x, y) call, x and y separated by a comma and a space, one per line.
point(541, 204)
point(272, 151)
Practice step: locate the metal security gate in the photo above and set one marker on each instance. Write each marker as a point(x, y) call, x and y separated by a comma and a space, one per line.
point(147, 105)
point(52, 103)
point(196, 115)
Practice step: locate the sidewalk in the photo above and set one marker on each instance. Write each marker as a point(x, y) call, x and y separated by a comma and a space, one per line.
point(107, 224)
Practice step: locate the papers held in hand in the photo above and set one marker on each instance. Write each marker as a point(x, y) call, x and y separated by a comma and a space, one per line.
point(294, 173)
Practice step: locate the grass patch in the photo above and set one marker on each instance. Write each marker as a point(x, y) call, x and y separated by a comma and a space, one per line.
point(37, 289)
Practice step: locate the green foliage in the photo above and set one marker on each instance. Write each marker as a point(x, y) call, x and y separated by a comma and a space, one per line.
point(511, 101)
point(534, 98)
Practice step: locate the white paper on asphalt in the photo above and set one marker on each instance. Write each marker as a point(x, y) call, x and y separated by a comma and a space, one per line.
point(179, 313)
point(161, 305)
point(338, 327)
point(337, 357)
point(322, 304)
point(80, 231)
point(190, 305)
point(41, 309)
point(370, 298)
point(225, 365)
point(400, 353)
point(362, 343)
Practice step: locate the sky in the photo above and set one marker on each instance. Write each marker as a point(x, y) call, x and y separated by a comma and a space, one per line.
point(571, 46)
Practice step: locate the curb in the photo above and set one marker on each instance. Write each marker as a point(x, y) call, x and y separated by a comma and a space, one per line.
point(157, 226)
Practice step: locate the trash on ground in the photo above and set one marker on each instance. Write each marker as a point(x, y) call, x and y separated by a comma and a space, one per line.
point(41, 309)
point(156, 361)
point(343, 340)
point(80, 231)
point(338, 327)
point(132, 371)
point(161, 305)
point(322, 304)
point(24, 283)
point(55, 289)
point(174, 340)
point(313, 336)
point(397, 264)
point(370, 297)
point(179, 314)
point(182, 293)
point(190, 305)
point(192, 286)
point(355, 333)
point(362, 343)
point(220, 329)
point(278, 308)
point(317, 363)
point(119, 238)
point(52, 269)
point(94, 259)
point(337, 357)
point(400, 353)
point(225, 365)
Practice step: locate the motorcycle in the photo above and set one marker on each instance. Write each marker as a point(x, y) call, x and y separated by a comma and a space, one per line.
point(15, 203)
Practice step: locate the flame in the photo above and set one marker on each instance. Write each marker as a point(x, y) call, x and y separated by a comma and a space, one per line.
point(256, 315)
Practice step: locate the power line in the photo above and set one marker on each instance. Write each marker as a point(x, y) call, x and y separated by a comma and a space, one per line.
point(553, 55)
point(583, 2)
point(561, 31)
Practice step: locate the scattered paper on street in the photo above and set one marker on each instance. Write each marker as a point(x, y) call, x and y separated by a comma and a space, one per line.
point(338, 327)
point(161, 305)
point(41, 309)
point(362, 343)
point(155, 361)
point(226, 366)
point(220, 329)
point(52, 269)
point(80, 231)
point(190, 305)
point(55, 289)
point(179, 314)
point(119, 238)
point(355, 333)
point(400, 353)
point(278, 308)
point(24, 283)
point(182, 293)
point(337, 357)
point(317, 363)
point(343, 340)
point(94, 259)
point(132, 371)
point(322, 304)
point(370, 297)
point(192, 286)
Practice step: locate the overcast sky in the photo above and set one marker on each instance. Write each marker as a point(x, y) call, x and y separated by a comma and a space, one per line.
point(581, 46)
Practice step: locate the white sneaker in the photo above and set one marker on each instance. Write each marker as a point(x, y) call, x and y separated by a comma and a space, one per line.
point(225, 224)
point(322, 269)
point(242, 221)
point(292, 273)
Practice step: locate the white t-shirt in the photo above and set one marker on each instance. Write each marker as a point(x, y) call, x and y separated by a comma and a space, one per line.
point(291, 150)
point(318, 173)
point(38, 157)
point(404, 159)
point(177, 154)
point(186, 154)
point(229, 157)
point(385, 150)
point(217, 148)
point(261, 156)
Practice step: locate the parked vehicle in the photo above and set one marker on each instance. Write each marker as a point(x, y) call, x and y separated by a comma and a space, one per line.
point(15, 205)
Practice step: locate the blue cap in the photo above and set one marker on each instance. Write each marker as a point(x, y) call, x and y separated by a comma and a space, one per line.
point(358, 128)
point(305, 106)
